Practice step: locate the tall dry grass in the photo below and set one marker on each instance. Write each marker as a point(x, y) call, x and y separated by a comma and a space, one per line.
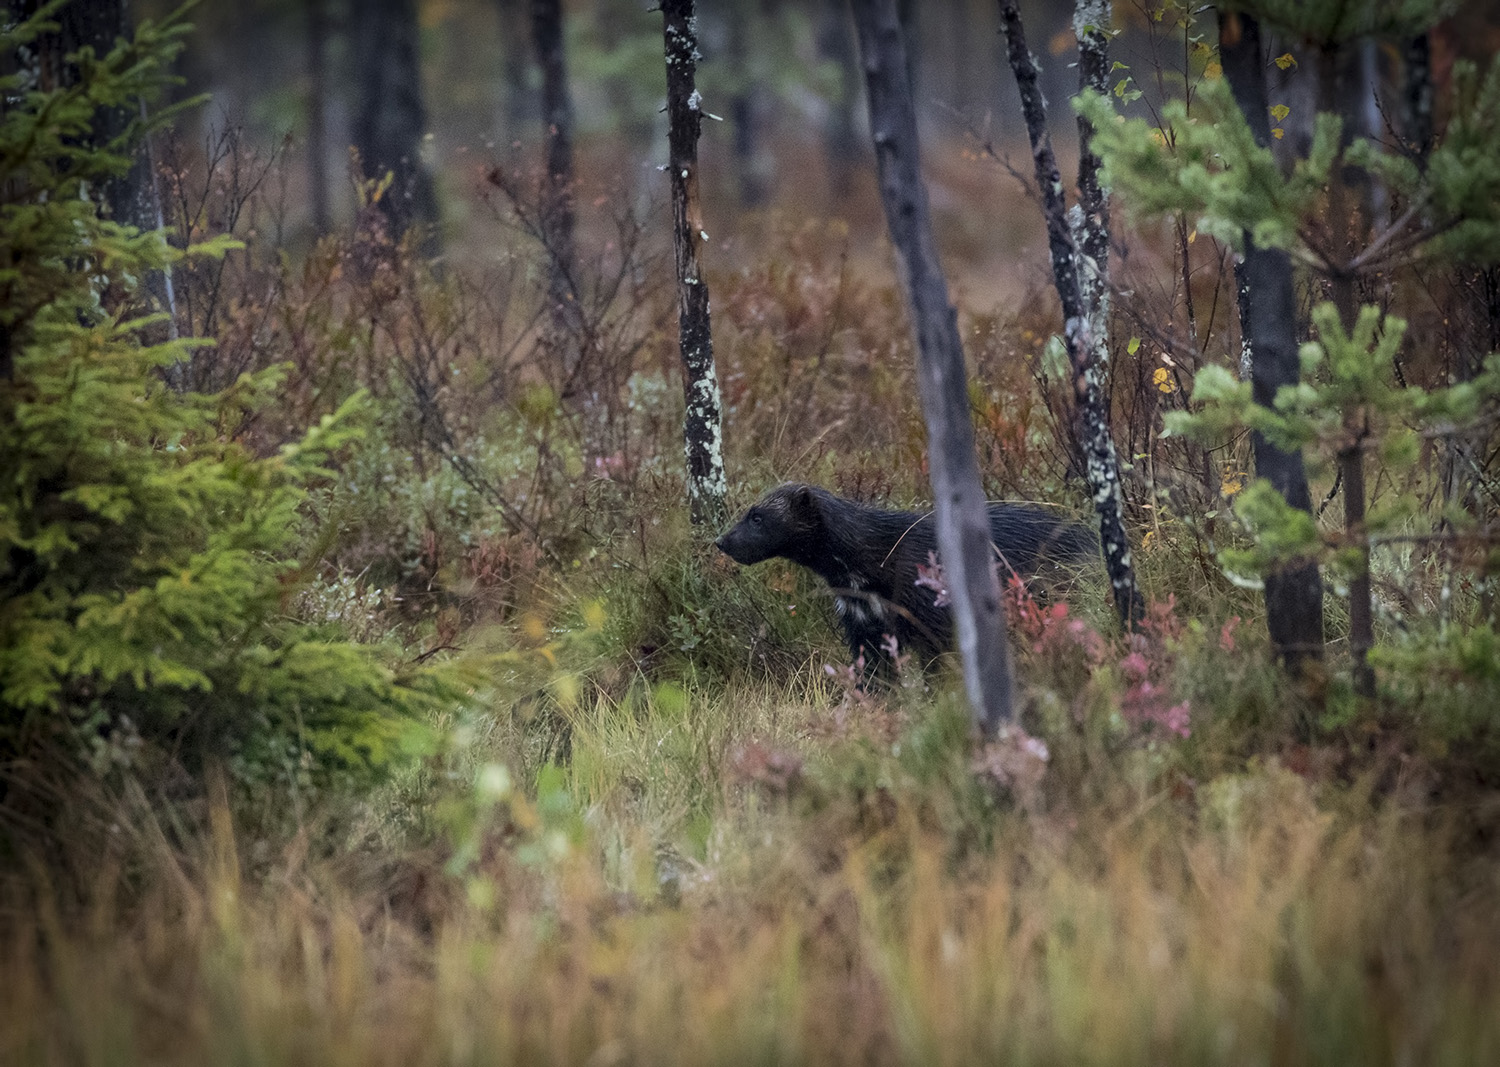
point(834, 914)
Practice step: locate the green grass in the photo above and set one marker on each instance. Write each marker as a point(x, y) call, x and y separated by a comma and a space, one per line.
point(783, 872)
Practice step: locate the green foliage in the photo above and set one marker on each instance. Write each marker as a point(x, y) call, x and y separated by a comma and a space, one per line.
point(1349, 376)
point(688, 613)
point(1329, 21)
point(148, 555)
point(1463, 171)
point(1204, 162)
point(1451, 683)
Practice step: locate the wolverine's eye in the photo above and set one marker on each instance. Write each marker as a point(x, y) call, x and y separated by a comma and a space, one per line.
point(755, 519)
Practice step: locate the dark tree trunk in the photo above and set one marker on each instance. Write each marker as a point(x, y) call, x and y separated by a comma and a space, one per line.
point(1098, 446)
point(840, 141)
point(133, 198)
point(96, 24)
point(752, 169)
point(1349, 191)
point(558, 222)
point(1268, 317)
point(515, 67)
point(558, 218)
point(963, 532)
point(1416, 98)
point(702, 427)
point(390, 120)
point(317, 115)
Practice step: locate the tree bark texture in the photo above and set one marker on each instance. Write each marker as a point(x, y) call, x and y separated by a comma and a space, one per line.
point(963, 532)
point(390, 120)
point(702, 428)
point(1084, 350)
point(1268, 330)
point(1091, 23)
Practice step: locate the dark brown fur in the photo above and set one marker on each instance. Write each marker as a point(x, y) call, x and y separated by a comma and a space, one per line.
point(869, 557)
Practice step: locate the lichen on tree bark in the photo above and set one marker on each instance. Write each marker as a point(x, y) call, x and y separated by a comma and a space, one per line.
point(702, 429)
point(1086, 342)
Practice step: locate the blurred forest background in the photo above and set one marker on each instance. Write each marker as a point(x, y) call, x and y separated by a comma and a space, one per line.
point(367, 695)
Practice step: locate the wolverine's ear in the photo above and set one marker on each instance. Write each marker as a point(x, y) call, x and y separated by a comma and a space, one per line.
point(807, 506)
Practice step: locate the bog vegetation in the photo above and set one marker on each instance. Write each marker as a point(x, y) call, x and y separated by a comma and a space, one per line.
point(366, 695)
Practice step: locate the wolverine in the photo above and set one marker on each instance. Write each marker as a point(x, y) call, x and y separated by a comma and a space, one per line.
point(869, 558)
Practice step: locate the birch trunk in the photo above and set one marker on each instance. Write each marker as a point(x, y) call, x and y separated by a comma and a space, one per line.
point(702, 427)
point(1091, 21)
point(963, 531)
point(1087, 353)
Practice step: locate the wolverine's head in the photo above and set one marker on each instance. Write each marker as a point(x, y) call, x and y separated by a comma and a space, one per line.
point(779, 524)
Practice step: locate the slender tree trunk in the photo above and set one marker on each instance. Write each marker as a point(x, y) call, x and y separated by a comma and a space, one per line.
point(840, 141)
point(907, 13)
point(520, 103)
point(1091, 23)
point(558, 221)
point(963, 530)
point(1416, 98)
point(702, 427)
point(1348, 218)
point(1242, 304)
point(317, 115)
point(391, 120)
point(746, 114)
point(1268, 317)
point(1084, 350)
